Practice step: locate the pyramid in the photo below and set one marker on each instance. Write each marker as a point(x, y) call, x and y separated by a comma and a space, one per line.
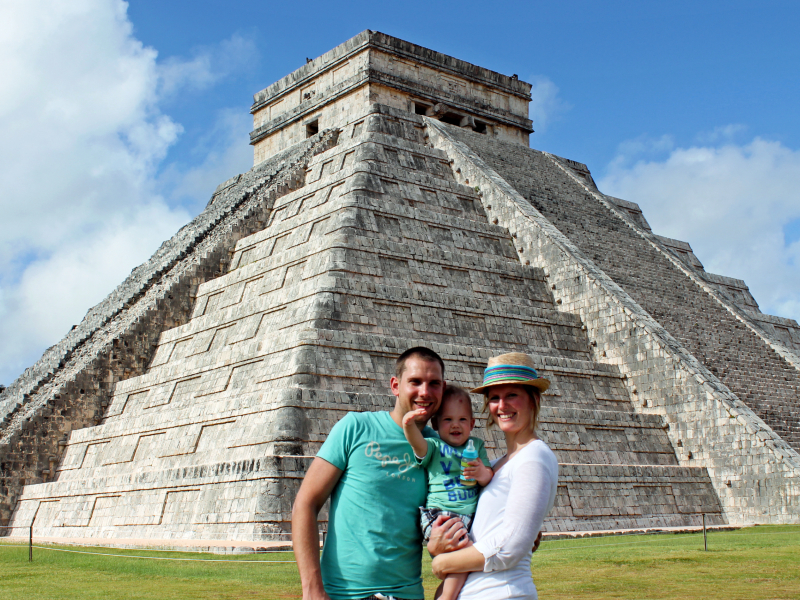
point(395, 202)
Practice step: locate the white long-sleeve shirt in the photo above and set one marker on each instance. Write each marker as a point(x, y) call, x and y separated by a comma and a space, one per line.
point(510, 513)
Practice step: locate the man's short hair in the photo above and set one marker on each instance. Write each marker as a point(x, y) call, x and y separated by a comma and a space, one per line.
point(420, 352)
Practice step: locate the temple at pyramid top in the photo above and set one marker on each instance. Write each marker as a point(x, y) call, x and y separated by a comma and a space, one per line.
point(373, 67)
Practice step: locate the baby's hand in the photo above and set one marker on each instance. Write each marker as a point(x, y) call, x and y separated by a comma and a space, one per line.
point(478, 471)
point(411, 416)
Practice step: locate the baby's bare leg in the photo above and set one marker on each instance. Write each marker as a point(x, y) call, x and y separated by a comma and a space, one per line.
point(452, 584)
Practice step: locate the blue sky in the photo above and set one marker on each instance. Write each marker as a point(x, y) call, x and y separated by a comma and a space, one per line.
point(623, 69)
point(117, 121)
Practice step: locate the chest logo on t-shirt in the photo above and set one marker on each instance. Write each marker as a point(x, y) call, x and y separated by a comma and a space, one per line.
point(402, 468)
point(451, 463)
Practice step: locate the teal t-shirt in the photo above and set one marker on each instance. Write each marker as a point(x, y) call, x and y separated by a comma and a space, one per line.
point(374, 542)
point(445, 489)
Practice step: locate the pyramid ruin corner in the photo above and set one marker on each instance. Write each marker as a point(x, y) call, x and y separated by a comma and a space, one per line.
point(394, 201)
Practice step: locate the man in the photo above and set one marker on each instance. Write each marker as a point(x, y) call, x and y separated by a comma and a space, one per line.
point(373, 548)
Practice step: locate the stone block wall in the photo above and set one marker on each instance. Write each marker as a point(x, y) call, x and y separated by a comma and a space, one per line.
point(786, 331)
point(755, 473)
point(71, 386)
point(760, 371)
point(381, 249)
point(782, 331)
point(373, 67)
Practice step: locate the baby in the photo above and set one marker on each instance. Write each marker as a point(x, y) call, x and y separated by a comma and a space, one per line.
point(448, 494)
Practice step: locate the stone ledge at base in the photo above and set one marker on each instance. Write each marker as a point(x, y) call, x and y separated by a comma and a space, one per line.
point(557, 535)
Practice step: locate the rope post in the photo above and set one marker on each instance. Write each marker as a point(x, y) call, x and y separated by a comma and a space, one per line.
point(705, 538)
point(30, 544)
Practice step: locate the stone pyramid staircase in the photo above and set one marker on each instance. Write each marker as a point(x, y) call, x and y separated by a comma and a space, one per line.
point(381, 249)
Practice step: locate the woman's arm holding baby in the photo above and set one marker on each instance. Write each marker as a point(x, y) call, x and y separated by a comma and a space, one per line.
point(413, 433)
point(460, 561)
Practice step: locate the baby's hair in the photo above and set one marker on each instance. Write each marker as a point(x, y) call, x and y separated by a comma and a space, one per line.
point(450, 392)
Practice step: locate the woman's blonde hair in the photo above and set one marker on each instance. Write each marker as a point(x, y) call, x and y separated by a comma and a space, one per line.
point(533, 395)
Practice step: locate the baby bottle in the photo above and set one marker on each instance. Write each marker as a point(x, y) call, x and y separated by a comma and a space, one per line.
point(467, 457)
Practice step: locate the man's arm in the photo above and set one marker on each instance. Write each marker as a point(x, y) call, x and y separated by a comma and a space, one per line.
point(413, 433)
point(316, 488)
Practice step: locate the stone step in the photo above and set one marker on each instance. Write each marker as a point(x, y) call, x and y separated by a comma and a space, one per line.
point(368, 363)
point(385, 218)
point(630, 496)
point(373, 257)
point(251, 400)
point(191, 500)
point(375, 307)
point(235, 426)
point(384, 151)
point(223, 497)
point(605, 437)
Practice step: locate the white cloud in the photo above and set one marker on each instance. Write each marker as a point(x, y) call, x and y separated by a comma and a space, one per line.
point(208, 65)
point(641, 148)
point(731, 203)
point(79, 130)
point(226, 151)
point(546, 105)
point(725, 133)
point(82, 136)
point(82, 273)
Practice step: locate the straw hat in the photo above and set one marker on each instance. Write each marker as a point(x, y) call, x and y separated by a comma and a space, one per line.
point(514, 367)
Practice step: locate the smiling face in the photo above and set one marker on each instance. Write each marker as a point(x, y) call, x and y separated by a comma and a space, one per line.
point(419, 387)
point(511, 407)
point(454, 421)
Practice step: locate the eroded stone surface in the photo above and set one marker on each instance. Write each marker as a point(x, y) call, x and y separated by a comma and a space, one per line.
point(189, 403)
point(381, 249)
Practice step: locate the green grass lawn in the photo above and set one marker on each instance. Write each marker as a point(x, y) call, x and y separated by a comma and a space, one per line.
point(755, 563)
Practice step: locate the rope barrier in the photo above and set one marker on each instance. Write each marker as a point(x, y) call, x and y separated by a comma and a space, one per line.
point(165, 557)
point(80, 545)
point(683, 537)
point(660, 537)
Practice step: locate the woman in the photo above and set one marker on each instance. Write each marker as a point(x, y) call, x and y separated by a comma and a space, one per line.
point(513, 506)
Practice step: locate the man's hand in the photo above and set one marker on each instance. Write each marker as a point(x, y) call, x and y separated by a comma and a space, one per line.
point(478, 471)
point(320, 595)
point(537, 542)
point(447, 534)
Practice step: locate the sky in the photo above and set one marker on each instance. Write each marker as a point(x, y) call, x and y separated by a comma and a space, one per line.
point(117, 121)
